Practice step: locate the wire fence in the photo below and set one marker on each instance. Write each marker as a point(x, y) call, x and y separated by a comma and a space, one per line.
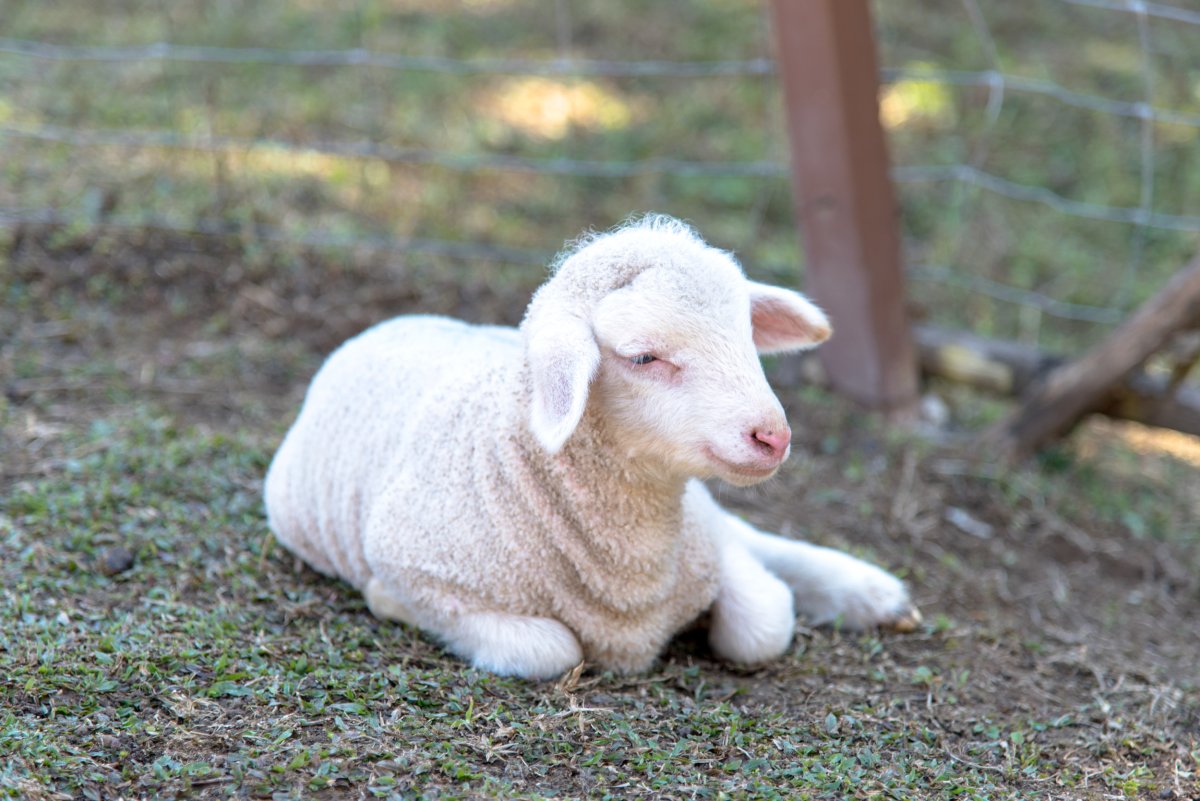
point(1044, 192)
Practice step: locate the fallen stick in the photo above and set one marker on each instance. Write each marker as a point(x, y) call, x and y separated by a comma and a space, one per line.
point(1056, 403)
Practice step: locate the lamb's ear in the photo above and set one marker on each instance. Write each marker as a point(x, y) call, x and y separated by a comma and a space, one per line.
point(784, 320)
point(563, 357)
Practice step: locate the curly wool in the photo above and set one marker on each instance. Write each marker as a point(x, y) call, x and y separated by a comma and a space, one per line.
point(412, 461)
point(531, 496)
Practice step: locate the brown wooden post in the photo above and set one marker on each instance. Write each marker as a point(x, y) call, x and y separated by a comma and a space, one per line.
point(845, 206)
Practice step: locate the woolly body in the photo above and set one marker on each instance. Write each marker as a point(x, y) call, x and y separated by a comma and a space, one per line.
point(531, 497)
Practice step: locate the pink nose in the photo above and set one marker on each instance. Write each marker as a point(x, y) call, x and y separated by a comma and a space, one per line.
point(777, 440)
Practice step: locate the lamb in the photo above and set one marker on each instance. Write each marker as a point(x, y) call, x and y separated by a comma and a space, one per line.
point(533, 498)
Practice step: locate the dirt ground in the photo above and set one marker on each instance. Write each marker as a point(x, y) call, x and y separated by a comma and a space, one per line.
point(1062, 600)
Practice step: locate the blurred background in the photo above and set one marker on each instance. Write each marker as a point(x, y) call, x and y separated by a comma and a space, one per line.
point(1044, 152)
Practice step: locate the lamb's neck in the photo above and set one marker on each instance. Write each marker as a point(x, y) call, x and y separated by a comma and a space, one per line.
point(616, 521)
point(618, 509)
point(627, 513)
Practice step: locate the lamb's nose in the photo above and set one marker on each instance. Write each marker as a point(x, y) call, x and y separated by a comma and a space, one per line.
point(777, 439)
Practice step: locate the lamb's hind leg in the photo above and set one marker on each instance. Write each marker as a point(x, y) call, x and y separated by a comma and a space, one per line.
point(514, 645)
point(499, 642)
point(386, 604)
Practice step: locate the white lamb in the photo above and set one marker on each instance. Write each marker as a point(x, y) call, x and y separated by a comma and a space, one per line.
point(531, 496)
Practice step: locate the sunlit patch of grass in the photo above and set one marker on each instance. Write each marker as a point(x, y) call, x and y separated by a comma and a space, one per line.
point(550, 108)
point(441, 6)
point(1159, 442)
point(913, 101)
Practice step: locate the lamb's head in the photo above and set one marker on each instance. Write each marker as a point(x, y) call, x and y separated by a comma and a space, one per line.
point(657, 335)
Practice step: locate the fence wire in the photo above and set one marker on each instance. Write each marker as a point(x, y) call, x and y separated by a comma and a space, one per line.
point(999, 79)
point(359, 57)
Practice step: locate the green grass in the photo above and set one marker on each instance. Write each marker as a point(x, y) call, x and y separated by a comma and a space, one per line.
point(214, 664)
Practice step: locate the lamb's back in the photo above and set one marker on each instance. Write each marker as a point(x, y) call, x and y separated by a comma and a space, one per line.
point(395, 397)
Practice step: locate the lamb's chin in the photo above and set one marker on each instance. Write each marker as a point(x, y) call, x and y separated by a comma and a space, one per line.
point(743, 479)
point(740, 475)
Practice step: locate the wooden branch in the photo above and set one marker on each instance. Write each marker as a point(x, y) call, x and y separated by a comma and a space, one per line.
point(1010, 369)
point(1156, 402)
point(995, 365)
point(1055, 404)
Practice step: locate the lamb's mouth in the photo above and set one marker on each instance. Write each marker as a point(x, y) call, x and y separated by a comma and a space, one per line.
point(743, 470)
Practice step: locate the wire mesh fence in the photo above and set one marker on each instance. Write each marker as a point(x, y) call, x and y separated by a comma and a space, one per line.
point(1046, 153)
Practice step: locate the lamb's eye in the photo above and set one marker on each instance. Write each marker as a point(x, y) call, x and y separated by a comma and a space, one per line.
point(644, 358)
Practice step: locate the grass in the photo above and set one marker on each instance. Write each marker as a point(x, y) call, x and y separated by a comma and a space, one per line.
point(147, 376)
point(216, 667)
point(1056, 662)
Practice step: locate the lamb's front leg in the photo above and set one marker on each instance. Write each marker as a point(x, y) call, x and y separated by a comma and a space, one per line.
point(752, 617)
point(827, 585)
point(832, 586)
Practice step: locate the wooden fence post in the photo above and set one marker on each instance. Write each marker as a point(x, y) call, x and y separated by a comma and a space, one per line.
point(845, 206)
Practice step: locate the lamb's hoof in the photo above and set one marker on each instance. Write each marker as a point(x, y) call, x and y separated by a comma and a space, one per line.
point(904, 623)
